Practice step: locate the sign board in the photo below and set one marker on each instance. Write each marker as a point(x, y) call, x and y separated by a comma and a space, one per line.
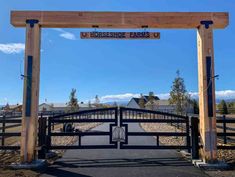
point(120, 35)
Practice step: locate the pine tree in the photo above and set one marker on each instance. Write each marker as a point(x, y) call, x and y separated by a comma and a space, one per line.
point(97, 101)
point(195, 106)
point(141, 101)
point(115, 104)
point(151, 100)
point(178, 95)
point(223, 109)
point(73, 101)
point(231, 107)
point(89, 104)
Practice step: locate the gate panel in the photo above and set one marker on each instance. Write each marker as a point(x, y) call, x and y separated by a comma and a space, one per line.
point(131, 115)
point(103, 115)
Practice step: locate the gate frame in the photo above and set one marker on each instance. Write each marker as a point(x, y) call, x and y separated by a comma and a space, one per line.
point(204, 22)
point(166, 118)
point(64, 119)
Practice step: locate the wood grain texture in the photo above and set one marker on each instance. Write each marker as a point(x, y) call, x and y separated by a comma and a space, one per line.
point(76, 19)
point(207, 124)
point(29, 123)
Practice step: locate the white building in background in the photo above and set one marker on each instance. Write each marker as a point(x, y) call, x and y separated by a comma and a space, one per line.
point(134, 102)
point(165, 106)
point(160, 105)
point(156, 105)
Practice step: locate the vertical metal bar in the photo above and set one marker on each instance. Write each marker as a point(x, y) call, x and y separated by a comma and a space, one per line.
point(49, 133)
point(121, 116)
point(171, 120)
point(157, 140)
point(79, 140)
point(3, 129)
point(41, 137)
point(188, 134)
point(224, 129)
point(195, 137)
point(53, 124)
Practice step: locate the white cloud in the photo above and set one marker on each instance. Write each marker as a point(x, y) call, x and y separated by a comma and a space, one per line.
point(224, 94)
point(163, 96)
point(12, 48)
point(119, 97)
point(68, 35)
point(65, 34)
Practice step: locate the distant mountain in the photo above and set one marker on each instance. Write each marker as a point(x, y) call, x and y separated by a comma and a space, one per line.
point(119, 103)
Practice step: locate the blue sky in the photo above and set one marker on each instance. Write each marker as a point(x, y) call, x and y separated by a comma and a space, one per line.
point(114, 70)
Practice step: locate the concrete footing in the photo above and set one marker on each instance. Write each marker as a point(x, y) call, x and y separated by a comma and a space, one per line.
point(211, 166)
point(37, 164)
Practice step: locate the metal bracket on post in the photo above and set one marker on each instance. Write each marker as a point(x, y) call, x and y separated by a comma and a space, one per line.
point(207, 23)
point(209, 86)
point(32, 22)
point(29, 86)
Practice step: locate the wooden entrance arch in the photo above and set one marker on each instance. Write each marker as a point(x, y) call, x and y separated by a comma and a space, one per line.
point(203, 22)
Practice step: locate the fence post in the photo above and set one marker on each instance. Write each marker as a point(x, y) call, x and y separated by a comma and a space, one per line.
point(188, 132)
point(48, 139)
point(53, 124)
point(42, 137)
point(3, 129)
point(224, 129)
point(195, 137)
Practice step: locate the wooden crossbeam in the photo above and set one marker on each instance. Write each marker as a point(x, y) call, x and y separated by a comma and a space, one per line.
point(69, 19)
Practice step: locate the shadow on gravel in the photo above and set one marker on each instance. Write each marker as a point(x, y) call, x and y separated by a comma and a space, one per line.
point(122, 162)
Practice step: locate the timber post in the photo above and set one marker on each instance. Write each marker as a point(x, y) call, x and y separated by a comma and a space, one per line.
point(31, 92)
point(206, 83)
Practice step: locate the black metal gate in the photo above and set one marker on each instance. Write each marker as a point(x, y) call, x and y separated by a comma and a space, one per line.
point(131, 115)
point(119, 121)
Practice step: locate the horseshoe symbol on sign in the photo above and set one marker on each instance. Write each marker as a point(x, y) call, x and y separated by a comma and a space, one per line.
point(83, 35)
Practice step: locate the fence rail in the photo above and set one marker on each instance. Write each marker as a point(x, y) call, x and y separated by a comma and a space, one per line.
point(225, 135)
point(3, 135)
point(224, 123)
point(13, 120)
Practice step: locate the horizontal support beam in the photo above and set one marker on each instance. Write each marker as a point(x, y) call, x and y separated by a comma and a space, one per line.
point(153, 121)
point(153, 147)
point(81, 120)
point(156, 134)
point(9, 147)
point(8, 134)
point(81, 134)
point(10, 121)
point(226, 134)
point(85, 147)
point(226, 147)
point(70, 19)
